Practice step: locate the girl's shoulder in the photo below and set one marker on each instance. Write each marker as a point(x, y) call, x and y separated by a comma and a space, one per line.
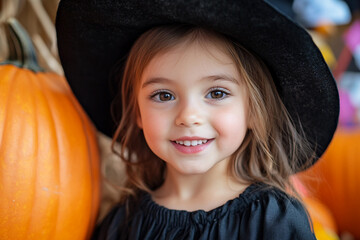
point(260, 212)
point(275, 214)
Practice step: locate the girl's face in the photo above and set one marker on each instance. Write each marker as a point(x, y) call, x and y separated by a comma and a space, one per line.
point(193, 108)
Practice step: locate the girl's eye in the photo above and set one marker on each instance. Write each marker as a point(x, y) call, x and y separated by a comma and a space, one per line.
point(162, 97)
point(217, 94)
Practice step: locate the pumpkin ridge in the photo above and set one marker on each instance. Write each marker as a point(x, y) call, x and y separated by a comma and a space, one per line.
point(49, 88)
point(42, 81)
point(42, 108)
point(28, 77)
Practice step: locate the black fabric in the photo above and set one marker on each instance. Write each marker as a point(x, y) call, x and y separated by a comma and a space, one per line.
point(93, 35)
point(260, 212)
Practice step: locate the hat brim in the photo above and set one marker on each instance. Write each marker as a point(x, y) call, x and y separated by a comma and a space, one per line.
point(94, 35)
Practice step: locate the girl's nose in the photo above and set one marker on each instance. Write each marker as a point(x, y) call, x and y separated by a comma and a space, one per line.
point(189, 114)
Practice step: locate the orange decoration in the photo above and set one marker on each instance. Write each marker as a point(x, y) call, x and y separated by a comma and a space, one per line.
point(335, 180)
point(49, 159)
point(321, 216)
point(323, 221)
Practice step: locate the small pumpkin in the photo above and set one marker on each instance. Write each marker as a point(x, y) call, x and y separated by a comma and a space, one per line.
point(335, 179)
point(49, 158)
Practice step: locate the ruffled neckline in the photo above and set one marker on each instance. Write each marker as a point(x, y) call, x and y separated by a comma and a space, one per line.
point(161, 214)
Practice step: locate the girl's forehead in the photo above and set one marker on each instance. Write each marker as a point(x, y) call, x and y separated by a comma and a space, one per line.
point(190, 63)
point(194, 52)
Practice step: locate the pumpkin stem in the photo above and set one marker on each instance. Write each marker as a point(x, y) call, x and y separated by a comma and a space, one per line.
point(22, 51)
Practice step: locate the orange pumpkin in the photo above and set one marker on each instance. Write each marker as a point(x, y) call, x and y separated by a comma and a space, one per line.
point(322, 219)
point(335, 180)
point(49, 159)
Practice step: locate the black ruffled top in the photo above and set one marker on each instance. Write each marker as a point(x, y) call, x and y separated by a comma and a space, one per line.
point(260, 212)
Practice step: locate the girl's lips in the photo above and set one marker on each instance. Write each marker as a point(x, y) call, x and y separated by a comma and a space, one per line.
point(191, 146)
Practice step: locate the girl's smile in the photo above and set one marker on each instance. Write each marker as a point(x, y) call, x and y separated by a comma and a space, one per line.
point(193, 107)
point(191, 145)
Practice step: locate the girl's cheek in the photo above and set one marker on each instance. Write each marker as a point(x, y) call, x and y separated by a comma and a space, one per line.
point(154, 122)
point(231, 123)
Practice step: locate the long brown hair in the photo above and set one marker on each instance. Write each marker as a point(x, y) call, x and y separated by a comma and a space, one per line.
point(273, 147)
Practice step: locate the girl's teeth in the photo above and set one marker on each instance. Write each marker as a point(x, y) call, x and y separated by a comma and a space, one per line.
point(191, 143)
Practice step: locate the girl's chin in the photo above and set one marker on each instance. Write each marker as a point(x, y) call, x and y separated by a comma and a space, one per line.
point(200, 168)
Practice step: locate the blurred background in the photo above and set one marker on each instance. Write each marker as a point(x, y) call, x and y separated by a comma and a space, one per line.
point(331, 189)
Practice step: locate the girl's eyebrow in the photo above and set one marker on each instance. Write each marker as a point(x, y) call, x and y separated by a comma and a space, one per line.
point(221, 77)
point(155, 80)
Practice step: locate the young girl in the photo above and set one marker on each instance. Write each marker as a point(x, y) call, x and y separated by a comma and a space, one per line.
point(210, 130)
